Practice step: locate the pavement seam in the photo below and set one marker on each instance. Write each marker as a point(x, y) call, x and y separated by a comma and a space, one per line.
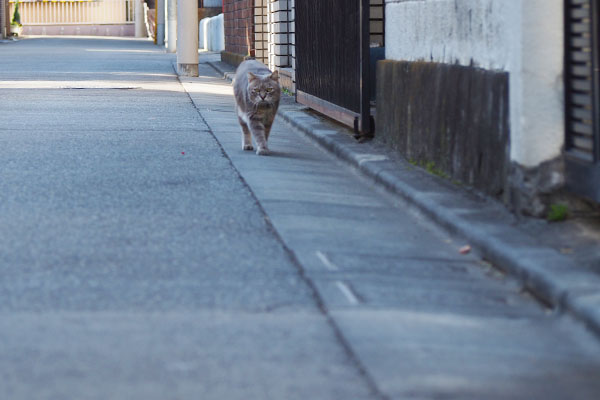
point(317, 298)
point(547, 284)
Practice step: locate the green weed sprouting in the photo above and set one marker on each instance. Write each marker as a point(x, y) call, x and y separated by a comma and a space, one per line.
point(558, 212)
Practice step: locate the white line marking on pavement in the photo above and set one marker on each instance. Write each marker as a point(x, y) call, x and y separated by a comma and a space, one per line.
point(326, 262)
point(351, 297)
point(364, 158)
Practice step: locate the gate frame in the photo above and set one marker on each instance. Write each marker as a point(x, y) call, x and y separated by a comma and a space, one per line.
point(362, 122)
point(583, 177)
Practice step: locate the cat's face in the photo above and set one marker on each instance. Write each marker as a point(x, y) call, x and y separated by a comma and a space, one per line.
point(264, 91)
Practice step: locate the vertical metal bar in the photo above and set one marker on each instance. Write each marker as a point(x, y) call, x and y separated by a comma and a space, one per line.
point(595, 9)
point(567, 69)
point(383, 10)
point(365, 107)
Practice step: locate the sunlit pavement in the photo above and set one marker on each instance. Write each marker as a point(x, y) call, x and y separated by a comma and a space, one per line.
point(144, 255)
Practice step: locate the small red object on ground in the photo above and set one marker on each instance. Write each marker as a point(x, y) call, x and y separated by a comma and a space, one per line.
point(183, 153)
point(465, 249)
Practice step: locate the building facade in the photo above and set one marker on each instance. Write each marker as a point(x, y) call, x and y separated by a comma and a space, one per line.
point(501, 96)
point(239, 30)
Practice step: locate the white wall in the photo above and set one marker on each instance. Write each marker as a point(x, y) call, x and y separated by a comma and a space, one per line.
point(523, 37)
point(202, 40)
point(216, 28)
point(211, 33)
point(279, 34)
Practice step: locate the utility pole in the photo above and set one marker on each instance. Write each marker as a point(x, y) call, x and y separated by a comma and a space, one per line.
point(171, 26)
point(187, 37)
point(160, 22)
point(139, 18)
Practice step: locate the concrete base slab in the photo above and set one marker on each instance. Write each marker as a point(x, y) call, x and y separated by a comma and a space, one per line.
point(187, 69)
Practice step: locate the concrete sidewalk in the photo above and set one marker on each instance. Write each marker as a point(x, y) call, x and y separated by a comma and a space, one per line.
point(557, 262)
point(420, 319)
point(145, 255)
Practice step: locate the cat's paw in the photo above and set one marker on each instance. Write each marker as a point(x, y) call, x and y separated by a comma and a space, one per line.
point(247, 147)
point(263, 151)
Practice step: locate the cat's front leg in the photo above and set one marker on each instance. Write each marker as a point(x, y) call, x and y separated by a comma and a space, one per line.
point(243, 120)
point(246, 138)
point(258, 131)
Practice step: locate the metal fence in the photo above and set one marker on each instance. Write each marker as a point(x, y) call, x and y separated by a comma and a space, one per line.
point(582, 96)
point(74, 12)
point(327, 51)
point(332, 58)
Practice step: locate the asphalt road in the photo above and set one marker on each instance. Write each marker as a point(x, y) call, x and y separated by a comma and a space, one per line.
point(144, 255)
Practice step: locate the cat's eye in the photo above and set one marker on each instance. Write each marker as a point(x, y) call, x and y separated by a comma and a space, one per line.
point(269, 89)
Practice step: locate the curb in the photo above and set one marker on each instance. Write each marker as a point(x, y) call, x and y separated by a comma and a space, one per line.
point(544, 272)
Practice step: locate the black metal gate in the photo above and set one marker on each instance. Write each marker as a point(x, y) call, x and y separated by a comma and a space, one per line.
point(332, 59)
point(582, 52)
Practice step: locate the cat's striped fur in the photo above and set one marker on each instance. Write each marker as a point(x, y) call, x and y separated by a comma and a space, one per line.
point(257, 94)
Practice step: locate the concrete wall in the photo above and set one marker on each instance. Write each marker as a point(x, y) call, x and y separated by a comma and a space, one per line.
point(523, 37)
point(212, 33)
point(202, 42)
point(81, 30)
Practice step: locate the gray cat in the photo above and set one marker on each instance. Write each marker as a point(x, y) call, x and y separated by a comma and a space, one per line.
point(257, 93)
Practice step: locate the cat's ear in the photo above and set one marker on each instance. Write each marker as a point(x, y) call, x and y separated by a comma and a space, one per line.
point(251, 77)
point(275, 76)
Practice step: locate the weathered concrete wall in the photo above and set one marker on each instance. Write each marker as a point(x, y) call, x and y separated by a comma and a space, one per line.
point(521, 37)
point(466, 32)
